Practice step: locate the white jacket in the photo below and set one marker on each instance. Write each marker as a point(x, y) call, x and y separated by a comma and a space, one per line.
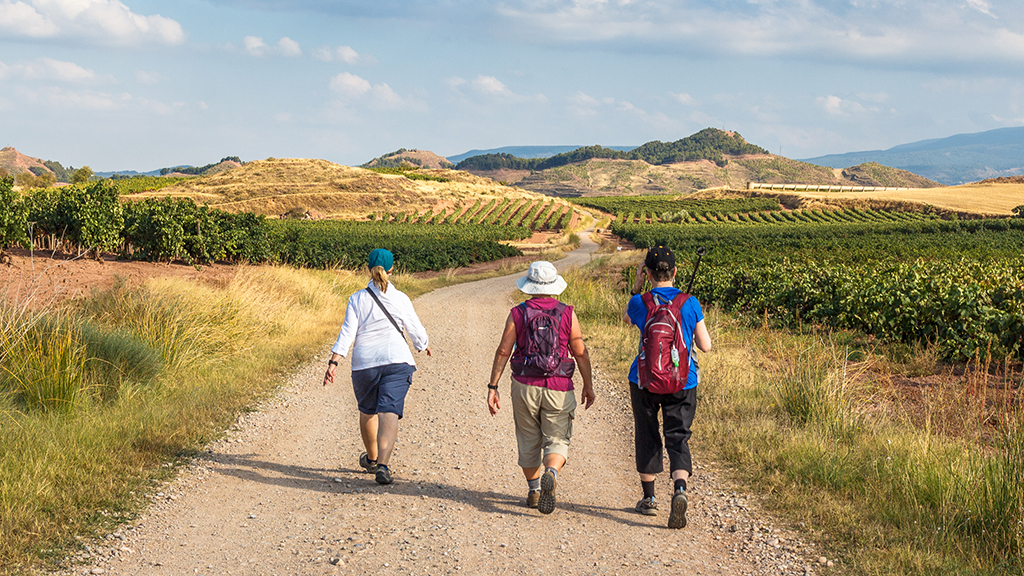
point(377, 343)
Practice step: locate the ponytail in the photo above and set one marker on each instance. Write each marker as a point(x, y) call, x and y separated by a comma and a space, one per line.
point(380, 278)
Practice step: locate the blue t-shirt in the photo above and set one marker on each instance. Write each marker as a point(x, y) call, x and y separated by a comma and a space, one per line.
point(690, 315)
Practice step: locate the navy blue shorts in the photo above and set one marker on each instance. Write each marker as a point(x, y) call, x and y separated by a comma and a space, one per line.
point(382, 388)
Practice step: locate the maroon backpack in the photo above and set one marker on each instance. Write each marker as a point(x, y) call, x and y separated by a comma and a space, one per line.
point(538, 353)
point(664, 364)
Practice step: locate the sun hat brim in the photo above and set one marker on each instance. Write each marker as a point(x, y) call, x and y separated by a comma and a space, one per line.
point(553, 288)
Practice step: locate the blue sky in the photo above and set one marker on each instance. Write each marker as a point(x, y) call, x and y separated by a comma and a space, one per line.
point(143, 84)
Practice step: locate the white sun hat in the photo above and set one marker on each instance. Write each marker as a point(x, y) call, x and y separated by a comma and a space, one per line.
point(542, 278)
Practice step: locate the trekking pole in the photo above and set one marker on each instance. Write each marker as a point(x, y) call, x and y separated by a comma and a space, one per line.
point(701, 251)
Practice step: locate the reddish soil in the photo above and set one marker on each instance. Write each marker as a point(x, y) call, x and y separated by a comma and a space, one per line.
point(42, 278)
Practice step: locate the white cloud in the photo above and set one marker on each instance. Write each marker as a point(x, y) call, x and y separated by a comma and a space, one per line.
point(254, 45)
point(891, 32)
point(837, 106)
point(350, 85)
point(47, 69)
point(683, 98)
point(454, 82)
point(289, 47)
point(106, 22)
point(491, 87)
point(356, 91)
point(832, 105)
point(981, 6)
point(344, 54)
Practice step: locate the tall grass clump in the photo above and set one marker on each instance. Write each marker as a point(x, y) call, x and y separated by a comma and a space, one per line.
point(96, 395)
point(42, 361)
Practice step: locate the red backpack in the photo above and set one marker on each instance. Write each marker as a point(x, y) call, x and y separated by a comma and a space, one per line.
point(664, 365)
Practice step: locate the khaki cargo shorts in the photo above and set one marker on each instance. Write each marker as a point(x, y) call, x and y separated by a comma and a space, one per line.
point(543, 422)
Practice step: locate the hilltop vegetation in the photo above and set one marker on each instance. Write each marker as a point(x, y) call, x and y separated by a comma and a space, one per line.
point(710, 158)
point(412, 158)
point(708, 144)
point(214, 168)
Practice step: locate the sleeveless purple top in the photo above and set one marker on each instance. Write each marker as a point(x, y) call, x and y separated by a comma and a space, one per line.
point(557, 383)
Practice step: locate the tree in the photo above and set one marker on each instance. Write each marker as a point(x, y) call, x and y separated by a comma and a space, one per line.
point(1018, 211)
point(82, 175)
point(13, 217)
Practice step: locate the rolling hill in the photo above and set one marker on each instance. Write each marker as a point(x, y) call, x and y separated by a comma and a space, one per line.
point(276, 186)
point(954, 160)
point(709, 159)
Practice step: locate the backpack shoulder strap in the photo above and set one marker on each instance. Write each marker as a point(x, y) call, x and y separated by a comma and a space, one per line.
point(648, 299)
point(679, 300)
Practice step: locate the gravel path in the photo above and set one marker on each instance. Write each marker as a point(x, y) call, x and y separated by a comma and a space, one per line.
point(283, 494)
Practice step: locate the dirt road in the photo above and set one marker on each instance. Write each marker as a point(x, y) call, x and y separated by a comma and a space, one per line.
point(283, 494)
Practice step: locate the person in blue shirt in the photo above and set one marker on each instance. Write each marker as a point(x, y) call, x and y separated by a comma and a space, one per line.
point(677, 409)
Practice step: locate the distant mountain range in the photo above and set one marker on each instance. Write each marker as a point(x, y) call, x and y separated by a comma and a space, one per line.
point(527, 151)
point(951, 161)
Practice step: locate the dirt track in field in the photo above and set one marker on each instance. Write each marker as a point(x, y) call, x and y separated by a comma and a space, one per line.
point(283, 493)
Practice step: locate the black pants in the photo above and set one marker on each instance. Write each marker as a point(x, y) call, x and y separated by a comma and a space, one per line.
point(677, 411)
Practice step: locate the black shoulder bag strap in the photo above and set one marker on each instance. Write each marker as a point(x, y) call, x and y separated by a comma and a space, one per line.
point(386, 313)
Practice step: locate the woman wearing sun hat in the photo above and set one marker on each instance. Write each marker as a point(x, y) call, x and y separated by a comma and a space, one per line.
point(540, 336)
point(382, 364)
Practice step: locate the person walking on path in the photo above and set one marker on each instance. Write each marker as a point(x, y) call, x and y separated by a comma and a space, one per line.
point(674, 395)
point(382, 364)
point(539, 336)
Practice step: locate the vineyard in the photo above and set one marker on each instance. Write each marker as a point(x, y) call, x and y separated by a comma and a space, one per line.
point(958, 284)
point(93, 220)
point(529, 214)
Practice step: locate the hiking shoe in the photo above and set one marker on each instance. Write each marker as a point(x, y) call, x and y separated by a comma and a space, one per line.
point(532, 498)
point(546, 500)
point(677, 518)
point(647, 506)
point(384, 475)
point(364, 461)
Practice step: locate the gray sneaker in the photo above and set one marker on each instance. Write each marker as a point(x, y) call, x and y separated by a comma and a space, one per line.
point(384, 475)
point(677, 518)
point(532, 498)
point(546, 502)
point(364, 462)
point(647, 506)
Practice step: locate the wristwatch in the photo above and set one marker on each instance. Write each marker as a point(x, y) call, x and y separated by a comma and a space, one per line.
point(489, 387)
point(332, 362)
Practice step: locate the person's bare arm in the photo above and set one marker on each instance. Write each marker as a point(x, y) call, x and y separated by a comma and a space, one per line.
point(578, 349)
point(331, 368)
point(501, 356)
point(701, 337)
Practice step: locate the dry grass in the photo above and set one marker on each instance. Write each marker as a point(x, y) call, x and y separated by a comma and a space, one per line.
point(275, 186)
point(968, 200)
point(995, 199)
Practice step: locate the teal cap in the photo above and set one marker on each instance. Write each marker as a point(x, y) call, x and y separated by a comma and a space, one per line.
point(381, 257)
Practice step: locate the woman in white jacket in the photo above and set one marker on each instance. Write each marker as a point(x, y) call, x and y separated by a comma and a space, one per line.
point(382, 364)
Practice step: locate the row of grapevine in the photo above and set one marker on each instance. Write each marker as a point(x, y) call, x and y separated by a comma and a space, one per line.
point(526, 213)
point(661, 204)
point(969, 308)
point(959, 284)
point(839, 216)
point(93, 218)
